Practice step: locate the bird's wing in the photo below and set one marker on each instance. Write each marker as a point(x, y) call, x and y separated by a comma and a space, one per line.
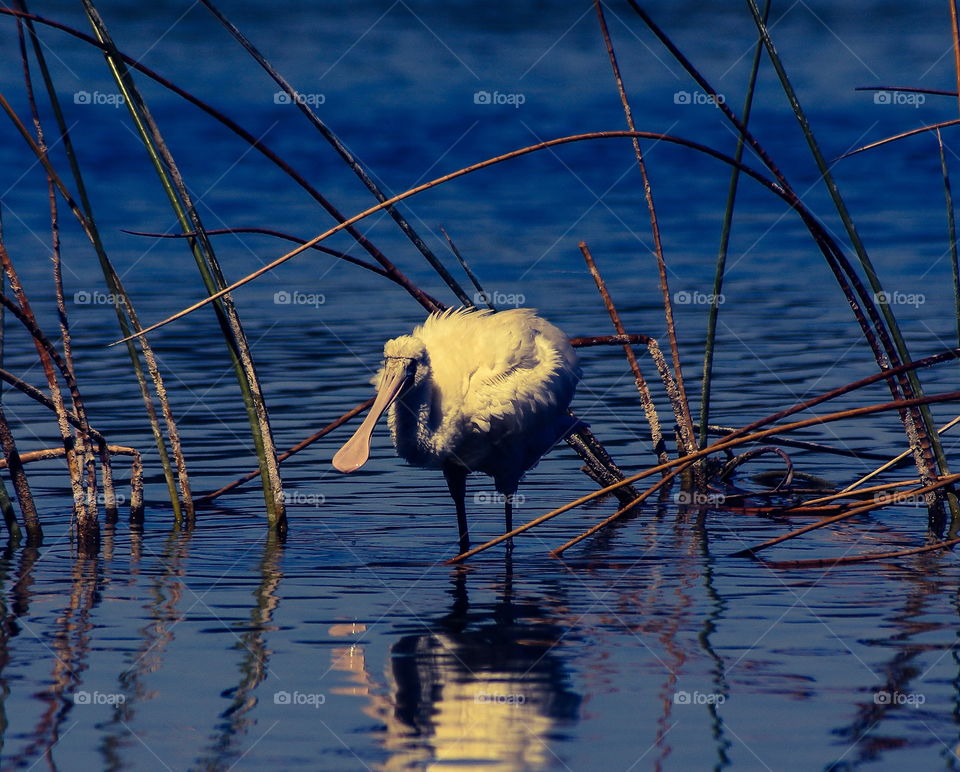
point(528, 379)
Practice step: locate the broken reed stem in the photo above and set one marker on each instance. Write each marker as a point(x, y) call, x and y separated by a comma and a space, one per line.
point(48, 453)
point(598, 464)
point(680, 406)
point(951, 225)
point(21, 486)
point(9, 515)
point(208, 497)
point(896, 498)
point(848, 494)
point(610, 340)
point(136, 471)
point(646, 400)
point(715, 448)
point(902, 135)
point(819, 447)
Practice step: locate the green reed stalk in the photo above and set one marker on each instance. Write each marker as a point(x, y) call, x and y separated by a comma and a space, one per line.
point(210, 273)
point(714, 312)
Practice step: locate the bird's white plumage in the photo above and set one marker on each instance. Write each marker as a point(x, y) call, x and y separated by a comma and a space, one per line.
point(496, 396)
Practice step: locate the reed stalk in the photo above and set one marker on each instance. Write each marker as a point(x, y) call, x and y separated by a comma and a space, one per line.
point(211, 275)
point(21, 485)
point(78, 455)
point(862, 303)
point(341, 149)
point(821, 236)
point(847, 559)
point(206, 498)
point(920, 432)
point(261, 147)
point(955, 35)
point(83, 211)
point(646, 400)
point(951, 227)
point(681, 406)
point(725, 229)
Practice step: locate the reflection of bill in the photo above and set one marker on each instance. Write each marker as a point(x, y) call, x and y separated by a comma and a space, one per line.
point(479, 697)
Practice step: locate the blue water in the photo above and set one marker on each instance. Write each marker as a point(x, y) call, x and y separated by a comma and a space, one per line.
point(350, 646)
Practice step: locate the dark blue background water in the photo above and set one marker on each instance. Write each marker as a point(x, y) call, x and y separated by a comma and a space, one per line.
point(350, 647)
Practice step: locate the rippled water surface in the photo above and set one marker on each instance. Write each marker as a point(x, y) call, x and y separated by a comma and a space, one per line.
point(350, 646)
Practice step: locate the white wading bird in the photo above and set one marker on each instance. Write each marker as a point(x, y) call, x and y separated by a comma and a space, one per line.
point(473, 391)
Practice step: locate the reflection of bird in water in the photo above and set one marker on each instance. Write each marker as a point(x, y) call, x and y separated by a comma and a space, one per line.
point(473, 391)
point(483, 689)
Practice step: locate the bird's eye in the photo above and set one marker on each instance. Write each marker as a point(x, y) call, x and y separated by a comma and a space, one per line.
point(411, 367)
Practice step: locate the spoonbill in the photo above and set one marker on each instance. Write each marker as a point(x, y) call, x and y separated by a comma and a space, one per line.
point(473, 391)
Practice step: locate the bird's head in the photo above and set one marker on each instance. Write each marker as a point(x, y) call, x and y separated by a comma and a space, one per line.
point(407, 353)
point(405, 364)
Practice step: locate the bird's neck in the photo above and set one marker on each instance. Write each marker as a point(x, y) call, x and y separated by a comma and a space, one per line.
point(414, 419)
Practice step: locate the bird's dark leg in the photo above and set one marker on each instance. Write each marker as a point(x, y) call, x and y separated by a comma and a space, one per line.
point(508, 519)
point(456, 477)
